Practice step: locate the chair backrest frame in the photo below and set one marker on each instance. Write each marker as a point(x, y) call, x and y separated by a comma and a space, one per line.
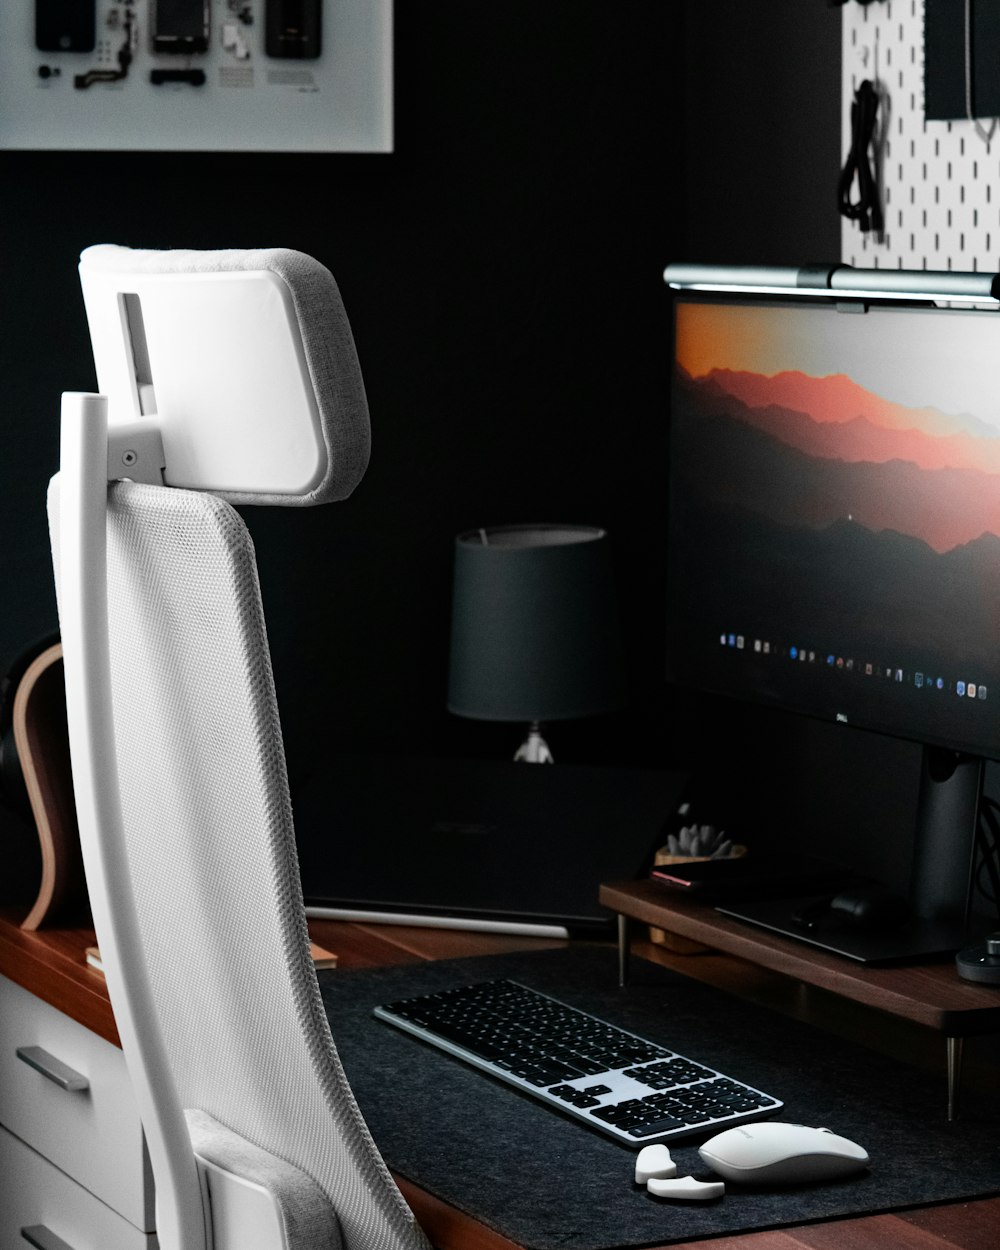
point(132, 435)
point(78, 515)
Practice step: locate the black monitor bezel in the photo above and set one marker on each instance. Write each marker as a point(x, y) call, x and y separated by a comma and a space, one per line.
point(674, 669)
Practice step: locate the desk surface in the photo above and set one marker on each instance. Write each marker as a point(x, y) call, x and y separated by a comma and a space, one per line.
point(51, 964)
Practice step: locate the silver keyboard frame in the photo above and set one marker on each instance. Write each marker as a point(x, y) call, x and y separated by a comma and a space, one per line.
point(621, 1087)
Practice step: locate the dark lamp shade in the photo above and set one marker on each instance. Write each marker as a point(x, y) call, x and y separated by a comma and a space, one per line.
point(534, 631)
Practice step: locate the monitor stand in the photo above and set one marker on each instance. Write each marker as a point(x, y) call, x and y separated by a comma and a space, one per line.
point(940, 883)
point(914, 940)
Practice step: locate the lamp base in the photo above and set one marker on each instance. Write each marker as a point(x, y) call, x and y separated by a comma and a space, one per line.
point(534, 749)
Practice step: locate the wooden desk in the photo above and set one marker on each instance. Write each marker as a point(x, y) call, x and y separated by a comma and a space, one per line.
point(50, 963)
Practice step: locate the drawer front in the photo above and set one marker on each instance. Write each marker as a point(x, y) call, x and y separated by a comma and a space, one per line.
point(68, 1096)
point(54, 1210)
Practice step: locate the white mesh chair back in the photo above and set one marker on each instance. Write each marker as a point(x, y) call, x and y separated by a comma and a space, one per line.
point(211, 852)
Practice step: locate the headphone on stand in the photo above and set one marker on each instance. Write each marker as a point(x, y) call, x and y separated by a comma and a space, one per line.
point(13, 792)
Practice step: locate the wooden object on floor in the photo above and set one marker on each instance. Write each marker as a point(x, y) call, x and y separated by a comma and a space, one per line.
point(42, 741)
point(321, 957)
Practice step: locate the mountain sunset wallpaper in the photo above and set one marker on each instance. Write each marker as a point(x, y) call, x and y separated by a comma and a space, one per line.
point(835, 487)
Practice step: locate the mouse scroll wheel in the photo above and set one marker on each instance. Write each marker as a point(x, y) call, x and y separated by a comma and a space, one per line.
point(825, 1130)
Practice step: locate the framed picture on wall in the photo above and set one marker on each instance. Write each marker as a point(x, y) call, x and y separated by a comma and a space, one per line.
point(198, 75)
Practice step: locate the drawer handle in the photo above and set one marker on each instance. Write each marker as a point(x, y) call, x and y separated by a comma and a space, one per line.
point(43, 1238)
point(49, 1066)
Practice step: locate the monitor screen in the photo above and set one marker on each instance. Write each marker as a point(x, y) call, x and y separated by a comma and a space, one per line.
point(834, 541)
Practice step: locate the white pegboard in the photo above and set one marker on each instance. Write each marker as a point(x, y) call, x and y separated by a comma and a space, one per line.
point(940, 181)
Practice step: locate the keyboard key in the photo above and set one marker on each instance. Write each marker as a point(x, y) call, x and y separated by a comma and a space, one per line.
point(657, 1128)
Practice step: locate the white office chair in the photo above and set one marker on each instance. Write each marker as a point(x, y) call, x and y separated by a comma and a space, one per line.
point(225, 377)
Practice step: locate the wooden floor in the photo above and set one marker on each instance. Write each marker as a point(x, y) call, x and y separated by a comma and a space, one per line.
point(970, 1226)
point(51, 964)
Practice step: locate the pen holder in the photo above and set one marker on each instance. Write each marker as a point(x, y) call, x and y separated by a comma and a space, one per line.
point(674, 941)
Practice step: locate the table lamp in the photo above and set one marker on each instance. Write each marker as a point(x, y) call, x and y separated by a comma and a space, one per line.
point(534, 630)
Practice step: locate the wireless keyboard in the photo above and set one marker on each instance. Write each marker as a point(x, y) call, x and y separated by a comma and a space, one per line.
point(633, 1089)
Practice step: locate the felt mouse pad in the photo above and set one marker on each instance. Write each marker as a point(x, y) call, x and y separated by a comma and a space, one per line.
point(547, 1181)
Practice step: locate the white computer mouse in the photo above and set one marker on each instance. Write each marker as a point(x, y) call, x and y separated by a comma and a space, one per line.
point(772, 1153)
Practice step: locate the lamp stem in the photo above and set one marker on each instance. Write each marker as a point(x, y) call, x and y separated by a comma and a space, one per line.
point(534, 749)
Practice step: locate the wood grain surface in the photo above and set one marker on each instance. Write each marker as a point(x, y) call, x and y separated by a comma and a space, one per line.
point(52, 964)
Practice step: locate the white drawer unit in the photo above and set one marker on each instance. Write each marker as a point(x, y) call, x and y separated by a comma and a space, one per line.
point(65, 1092)
point(42, 1207)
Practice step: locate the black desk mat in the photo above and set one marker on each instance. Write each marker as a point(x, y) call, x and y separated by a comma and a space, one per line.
point(549, 1183)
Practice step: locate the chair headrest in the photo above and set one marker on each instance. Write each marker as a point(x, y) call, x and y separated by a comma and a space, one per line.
point(247, 359)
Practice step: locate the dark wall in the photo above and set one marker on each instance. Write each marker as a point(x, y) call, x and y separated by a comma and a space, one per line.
point(761, 139)
point(502, 273)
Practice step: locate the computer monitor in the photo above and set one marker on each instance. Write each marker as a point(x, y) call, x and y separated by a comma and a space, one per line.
point(834, 537)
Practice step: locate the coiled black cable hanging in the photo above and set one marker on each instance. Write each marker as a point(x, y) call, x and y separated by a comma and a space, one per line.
point(984, 132)
point(866, 210)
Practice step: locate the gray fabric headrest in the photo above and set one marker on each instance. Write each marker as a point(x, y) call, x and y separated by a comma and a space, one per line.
point(327, 345)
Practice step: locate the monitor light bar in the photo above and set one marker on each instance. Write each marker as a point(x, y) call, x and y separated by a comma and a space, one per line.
point(833, 281)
